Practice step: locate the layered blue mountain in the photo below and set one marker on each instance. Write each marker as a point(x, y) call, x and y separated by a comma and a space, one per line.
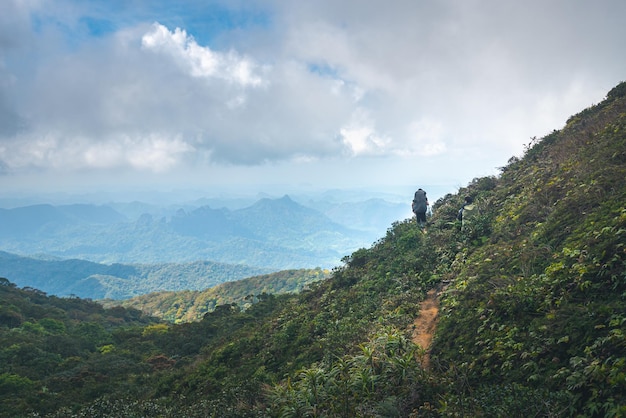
point(48, 218)
point(277, 219)
point(275, 234)
point(211, 224)
point(87, 279)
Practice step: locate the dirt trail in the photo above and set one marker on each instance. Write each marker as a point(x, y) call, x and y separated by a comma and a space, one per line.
point(425, 324)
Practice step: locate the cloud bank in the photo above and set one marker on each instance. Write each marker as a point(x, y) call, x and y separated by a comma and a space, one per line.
point(116, 86)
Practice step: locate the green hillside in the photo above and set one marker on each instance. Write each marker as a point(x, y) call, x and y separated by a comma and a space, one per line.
point(532, 316)
point(91, 280)
point(535, 314)
point(192, 305)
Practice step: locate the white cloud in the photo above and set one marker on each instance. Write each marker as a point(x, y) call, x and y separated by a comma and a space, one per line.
point(157, 154)
point(150, 153)
point(201, 61)
point(426, 138)
point(466, 82)
point(361, 138)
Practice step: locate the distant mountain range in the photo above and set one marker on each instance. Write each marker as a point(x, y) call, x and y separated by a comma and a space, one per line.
point(531, 316)
point(270, 234)
point(91, 280)
point(16, 223)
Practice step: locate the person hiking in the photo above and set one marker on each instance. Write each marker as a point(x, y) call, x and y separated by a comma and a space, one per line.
point(420, 206)
point(467, 211)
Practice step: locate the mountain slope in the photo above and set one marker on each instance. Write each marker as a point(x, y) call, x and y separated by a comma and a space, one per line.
point(531, 323)
point(117, 281)
point(47, 219)
point(192, 305)
point(274, 234)
point(210, 224)
point(537, 300)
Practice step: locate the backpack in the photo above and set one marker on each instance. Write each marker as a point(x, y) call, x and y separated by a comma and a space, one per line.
point(468, 212)
point(420, 201)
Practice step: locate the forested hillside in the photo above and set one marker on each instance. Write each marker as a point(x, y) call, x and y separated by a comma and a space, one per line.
point(192, 305)
point(532, 319)
point(535, 315)
point(86, 279)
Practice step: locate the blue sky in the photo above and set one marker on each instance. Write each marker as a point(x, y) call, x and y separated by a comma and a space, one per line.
point(119, 95)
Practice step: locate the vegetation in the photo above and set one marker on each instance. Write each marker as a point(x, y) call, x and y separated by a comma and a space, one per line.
point(57, 351)
point(532, 319)
point(190, 305)
point(117, 281)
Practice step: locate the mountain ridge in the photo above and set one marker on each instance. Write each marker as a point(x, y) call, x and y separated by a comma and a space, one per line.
point(272, 233)
point(531, 322)
point(86, 279)
point(192, 305)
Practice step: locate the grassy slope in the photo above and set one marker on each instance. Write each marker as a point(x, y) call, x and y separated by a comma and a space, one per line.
point(532, 317)
point(532, 320)
point(535, 314)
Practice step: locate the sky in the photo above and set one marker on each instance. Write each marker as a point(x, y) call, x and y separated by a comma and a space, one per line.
point(106, 95)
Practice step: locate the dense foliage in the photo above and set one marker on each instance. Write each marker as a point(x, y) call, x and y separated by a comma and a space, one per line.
point(86, 279)
point(58, 351)
point(190, 305)
point(532, 319)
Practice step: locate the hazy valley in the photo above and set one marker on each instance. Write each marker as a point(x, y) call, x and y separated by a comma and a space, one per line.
point(120, 250)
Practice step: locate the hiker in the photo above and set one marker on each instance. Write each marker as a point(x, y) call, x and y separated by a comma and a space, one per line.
point(467, 211)
point(419, 206)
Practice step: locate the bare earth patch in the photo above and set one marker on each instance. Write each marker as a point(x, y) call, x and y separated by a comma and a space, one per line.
point(425, 324)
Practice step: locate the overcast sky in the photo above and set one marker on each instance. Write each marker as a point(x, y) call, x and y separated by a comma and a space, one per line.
point(108, 94)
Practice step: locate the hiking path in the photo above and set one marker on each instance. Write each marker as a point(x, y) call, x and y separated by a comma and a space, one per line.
point(425, 324)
